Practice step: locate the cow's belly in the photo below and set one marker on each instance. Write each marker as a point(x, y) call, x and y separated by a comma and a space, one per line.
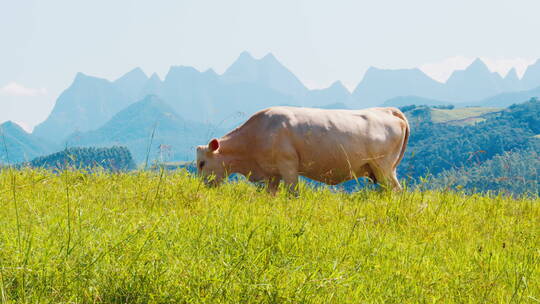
point(332, 168)
point(334, 176)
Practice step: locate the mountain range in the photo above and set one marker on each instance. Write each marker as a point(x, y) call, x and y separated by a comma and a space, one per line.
point(464, 87)
point(251, 84)
point(148, 127)
point(187, 103)
point(18, 146)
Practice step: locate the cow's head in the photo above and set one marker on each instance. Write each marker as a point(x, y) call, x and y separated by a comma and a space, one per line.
point(209, 165)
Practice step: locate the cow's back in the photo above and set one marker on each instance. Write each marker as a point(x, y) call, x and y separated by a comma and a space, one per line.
point(330, 143)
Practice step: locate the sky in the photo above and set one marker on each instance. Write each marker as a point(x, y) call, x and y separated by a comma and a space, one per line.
point(43, 44)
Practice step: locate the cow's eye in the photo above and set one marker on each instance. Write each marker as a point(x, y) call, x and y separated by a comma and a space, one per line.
point(201, 164)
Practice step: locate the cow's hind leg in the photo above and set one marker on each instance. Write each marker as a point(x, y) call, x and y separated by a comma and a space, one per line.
point(385, 176)
point(370, 174)
point(394, 180)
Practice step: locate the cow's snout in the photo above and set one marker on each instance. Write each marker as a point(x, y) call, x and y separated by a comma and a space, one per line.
point(210, 182)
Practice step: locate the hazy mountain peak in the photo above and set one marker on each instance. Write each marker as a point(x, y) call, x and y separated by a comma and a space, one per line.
point(152, 86)
point(244, 59)
point(476, 82)
point(372, 69)
point(338, 85)
point(379, 85)
point(10, 126)
point(87, 103)
point(83, 81)
point(151, 100)
point(531, 78)
point(476, 71)
point(211, 72)
point(247, 61)
point(376, 70)
point(269, 57)
point(80, 75)
point(478, 65)
point(155, 77)
point(331, 97)
point(511, 75)
point(84, 77)
point(144, 111)
point(378, 74)
point(245, 55)
point(181, 71)
point(137, 74)
point(183, 68)
point(131, 84)
point(267, 71)
point(7, 123)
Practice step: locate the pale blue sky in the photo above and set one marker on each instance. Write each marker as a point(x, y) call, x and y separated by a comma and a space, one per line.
point(44, 43)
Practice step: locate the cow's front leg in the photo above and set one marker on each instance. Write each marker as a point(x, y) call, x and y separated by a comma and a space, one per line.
point(273, 185)
point(289, 173)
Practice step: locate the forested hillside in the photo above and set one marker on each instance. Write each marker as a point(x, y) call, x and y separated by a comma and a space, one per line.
point(511, 172)
point(453, 152)
point(113, 159)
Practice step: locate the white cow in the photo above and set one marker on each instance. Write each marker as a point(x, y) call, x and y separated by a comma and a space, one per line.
point(329, 146)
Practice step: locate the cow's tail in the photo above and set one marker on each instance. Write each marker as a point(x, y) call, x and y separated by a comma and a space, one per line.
point(399, 114)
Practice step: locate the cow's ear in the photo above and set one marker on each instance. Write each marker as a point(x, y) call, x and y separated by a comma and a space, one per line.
point(213, 145)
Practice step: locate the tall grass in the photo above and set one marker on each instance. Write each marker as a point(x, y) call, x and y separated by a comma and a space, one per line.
point(159, 237)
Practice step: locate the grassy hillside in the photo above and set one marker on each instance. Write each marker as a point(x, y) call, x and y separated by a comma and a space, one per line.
point(149, 237)
point(461, 116)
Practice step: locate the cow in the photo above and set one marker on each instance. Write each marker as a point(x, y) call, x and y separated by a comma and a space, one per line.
point(329, 146)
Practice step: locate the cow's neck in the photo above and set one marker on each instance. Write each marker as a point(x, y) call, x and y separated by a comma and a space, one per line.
point(236, 142)
point(234, 151)
point(236, 163)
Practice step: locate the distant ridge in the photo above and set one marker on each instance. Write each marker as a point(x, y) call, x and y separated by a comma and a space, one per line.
point(334, 94)
point(414, 100)
point(509, 98)
point(85, 105)
point(531, 77)
point(499, 100)
point(379, 85)
point(148, 121)
point(476, 82)
point(251, 84)
point(17, 145)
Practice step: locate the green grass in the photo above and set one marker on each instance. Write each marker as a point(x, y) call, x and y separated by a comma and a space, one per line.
point(164, 238)
point(461, 116)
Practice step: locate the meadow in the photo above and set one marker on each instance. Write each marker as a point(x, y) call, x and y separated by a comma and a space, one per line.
point(160, 237)
point(461, 116)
